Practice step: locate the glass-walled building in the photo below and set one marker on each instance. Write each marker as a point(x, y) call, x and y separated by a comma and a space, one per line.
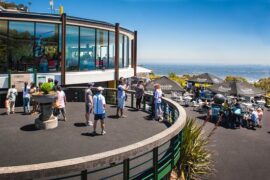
point(33, 43)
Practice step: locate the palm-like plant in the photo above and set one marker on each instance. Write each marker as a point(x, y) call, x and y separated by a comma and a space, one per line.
point(195, 160)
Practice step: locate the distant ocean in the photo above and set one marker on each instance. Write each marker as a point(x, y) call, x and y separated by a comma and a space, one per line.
point(251, 72)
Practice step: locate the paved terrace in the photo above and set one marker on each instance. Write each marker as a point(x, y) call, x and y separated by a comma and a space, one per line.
point(21, 144)
point(239, 153)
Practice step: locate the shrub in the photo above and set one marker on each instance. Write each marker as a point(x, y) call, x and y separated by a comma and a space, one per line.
point(235, 78)
point(46, 87)
point(195, 158)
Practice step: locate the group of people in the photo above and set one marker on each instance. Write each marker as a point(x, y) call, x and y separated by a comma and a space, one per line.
point(232, 115)
point(94, 103)
point(28, 91)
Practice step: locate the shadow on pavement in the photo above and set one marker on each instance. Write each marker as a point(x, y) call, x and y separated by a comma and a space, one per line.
point(29, 127)
point(90, 134)
point(79, 124)
point(113, 117)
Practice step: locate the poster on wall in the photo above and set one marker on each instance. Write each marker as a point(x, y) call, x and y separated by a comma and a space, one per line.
point(19, 79)
point(44, 78)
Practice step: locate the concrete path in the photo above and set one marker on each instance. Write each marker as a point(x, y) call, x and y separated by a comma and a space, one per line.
point(239, 154)
point(21, 143)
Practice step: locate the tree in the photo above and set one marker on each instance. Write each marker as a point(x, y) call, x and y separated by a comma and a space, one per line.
point(12, 5)
point(172, 75)
point(263, 83)
point(235, 78)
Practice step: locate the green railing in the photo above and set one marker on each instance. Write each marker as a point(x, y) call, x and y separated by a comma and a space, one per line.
point(152, 158)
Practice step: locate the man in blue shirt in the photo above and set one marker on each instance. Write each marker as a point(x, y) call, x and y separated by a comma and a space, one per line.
point(99, 110)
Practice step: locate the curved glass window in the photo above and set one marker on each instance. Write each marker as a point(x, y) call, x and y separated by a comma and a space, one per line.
point(121, 51)
point(111, 49)
point(87, 48)
point(129, 51)
point(3, 47)
point(21, 45)
point(102, 49)
point(126, 53)
point(72, 48)
point(46, 47)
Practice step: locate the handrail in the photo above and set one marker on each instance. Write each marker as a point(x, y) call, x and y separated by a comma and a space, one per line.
point(97, 160)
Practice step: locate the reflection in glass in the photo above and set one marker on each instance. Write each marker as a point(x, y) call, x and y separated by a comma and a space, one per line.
point(46, 47)
point(87, 49)
point(3, 47)
point(72, 48)
point(129, 52)
point(121, 51)
point(21, 44)
point(102, 49)
point(126, 54)
point(111, 50)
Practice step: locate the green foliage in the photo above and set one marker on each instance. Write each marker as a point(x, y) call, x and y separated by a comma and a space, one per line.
point(46, 87)
point(12, 5)
point(264, 84)
point(235, 78)
point(194, 153)
point(172, 75)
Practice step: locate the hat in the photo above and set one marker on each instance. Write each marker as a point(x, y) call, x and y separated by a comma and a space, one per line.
point(91, 84)
point(99, 88)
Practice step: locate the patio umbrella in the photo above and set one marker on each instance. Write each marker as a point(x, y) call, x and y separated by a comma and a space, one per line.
point(167, 85)
point(236, 88)
point(206, 78)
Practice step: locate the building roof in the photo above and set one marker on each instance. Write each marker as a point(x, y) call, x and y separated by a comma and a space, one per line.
point(141, 69)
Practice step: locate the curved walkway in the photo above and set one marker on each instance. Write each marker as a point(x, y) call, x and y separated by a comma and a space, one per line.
point(21, 144)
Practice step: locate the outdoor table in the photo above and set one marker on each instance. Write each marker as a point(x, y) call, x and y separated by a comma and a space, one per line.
point(187, 100)
point(261, 102)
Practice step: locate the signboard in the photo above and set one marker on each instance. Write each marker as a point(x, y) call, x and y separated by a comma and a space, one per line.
point(19, 79)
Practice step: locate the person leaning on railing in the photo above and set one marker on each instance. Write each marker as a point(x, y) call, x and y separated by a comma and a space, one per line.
point(157, 101)
point(139, 94)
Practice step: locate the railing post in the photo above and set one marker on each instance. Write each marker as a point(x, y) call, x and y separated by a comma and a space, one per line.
point(126, 169)
point(173, 142)
point(132, 100)
point(173, 115)
point(165, 115)
point(144, 104)
point(155, 163)
point(84, 175)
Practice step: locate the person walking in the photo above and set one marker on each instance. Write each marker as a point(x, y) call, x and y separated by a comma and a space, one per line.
point(99, 104)
point(61, 101)
point(88, 104)
point(26, 98)
point(157, 101)
point(139, 94)
point(121, 97)
point(11, 99)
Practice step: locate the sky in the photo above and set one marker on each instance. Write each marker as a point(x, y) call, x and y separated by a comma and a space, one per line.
point(184, 31)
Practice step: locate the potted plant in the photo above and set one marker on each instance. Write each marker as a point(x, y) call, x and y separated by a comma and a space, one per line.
point(45, 99)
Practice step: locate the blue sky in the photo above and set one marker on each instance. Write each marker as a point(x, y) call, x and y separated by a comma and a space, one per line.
point(184, 31)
